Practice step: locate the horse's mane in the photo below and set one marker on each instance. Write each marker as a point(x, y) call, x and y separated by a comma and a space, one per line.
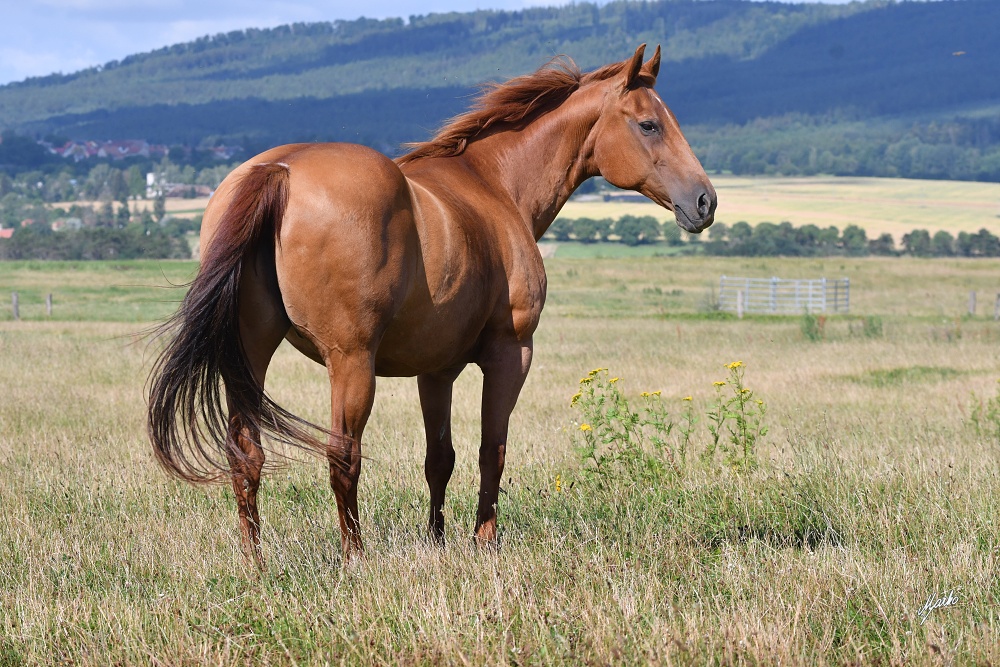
point(512, 103)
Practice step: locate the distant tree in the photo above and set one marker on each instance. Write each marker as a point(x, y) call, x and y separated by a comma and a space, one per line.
point(854, 241)
point(633, 230)
point(828, 241)
point(741, 232)
point(117, 186)
point(671, 234)
point(986, 244)
point(16, 149)
point(159, 208)
point(561, 229)
point(123, 216)
point(883, 245)
point(136, 179)
point(106, 215)
point(917, 243)
point(942, 244)
point(585, 230)
point(95, 186)
point(604, 227)
point(965, 244)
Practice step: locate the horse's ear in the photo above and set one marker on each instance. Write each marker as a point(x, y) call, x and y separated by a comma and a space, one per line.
point(633, 68)
point(652, 68)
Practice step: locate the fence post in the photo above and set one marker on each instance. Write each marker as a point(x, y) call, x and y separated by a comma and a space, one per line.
point(13, 299)
point(48, 305)
point(739, 304)
point(972, 302)
point(774, 293)
point(996, 309)
point(847, 295)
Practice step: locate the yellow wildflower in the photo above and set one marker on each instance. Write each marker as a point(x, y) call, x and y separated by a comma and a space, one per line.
point(576, 397)
point(586, 380)
point(744, 390)
point(644, 394)
point(613, 380)
point(734, 365)
point(687, 398)
point(760, 402)
point(596, 371)
point(585, 427)
point(558, 484)
point(719, 383)
point(655, 393)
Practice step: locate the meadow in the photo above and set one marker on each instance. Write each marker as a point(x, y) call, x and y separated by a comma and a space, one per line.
point(875, 490)
point(878, 205)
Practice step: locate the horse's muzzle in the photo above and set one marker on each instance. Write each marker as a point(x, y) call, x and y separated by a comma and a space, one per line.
point(701, 215)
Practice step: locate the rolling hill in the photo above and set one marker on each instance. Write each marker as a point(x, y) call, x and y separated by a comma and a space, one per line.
point(877, 71)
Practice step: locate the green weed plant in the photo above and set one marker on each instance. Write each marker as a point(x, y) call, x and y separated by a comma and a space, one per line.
point(813, 326)
point(630, 442)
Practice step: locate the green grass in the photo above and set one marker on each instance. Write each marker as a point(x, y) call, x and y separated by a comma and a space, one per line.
point(575, 250)
point(873, 492)
point(127, 291)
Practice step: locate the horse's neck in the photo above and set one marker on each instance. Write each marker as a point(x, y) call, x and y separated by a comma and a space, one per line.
point(541, 165)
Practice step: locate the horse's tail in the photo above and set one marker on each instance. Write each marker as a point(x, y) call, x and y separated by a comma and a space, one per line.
point(187, 416)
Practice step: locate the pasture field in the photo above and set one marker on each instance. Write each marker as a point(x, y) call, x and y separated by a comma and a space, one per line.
point(877, 205)
point(873, 493)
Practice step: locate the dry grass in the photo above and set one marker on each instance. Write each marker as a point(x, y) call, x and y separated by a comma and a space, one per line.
point(873, 494)
point(175, 206)
point(878, 205)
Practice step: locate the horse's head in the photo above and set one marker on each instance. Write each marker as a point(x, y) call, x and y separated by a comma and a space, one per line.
point(638, 146)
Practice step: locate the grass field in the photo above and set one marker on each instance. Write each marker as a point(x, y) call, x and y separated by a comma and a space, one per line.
point(873, 491)
point(878, 205)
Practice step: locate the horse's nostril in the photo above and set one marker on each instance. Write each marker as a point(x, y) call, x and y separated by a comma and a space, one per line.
point(704, 204)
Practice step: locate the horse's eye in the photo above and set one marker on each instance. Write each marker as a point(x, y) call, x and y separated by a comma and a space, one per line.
point(649, 127)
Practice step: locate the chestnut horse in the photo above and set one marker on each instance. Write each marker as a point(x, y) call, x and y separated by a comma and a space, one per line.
point(413, 267)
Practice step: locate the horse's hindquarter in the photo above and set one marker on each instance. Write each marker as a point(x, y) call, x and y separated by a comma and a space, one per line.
point(347, 251)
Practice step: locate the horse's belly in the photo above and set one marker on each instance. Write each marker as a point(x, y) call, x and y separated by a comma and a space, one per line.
point(434, 342)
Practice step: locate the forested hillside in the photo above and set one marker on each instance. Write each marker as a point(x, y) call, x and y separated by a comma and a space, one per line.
point(874, 87)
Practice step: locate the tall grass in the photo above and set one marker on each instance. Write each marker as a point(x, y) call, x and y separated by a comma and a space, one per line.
point(873, 490)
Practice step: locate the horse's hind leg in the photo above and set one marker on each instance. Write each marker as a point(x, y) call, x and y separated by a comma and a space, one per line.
point(352, 394)
point(246, 459)
point(263, 324)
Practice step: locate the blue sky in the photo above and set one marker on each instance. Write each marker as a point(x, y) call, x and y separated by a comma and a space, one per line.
point(39, 37)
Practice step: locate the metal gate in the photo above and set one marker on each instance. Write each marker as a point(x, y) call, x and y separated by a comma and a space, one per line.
point(776, 296)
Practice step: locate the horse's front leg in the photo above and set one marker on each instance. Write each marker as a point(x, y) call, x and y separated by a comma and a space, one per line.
point(435, 404)
point(352, 393)
point(505, 364)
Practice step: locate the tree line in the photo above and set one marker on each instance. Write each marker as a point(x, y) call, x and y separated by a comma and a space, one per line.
point(135, 241)
point(772, 240)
